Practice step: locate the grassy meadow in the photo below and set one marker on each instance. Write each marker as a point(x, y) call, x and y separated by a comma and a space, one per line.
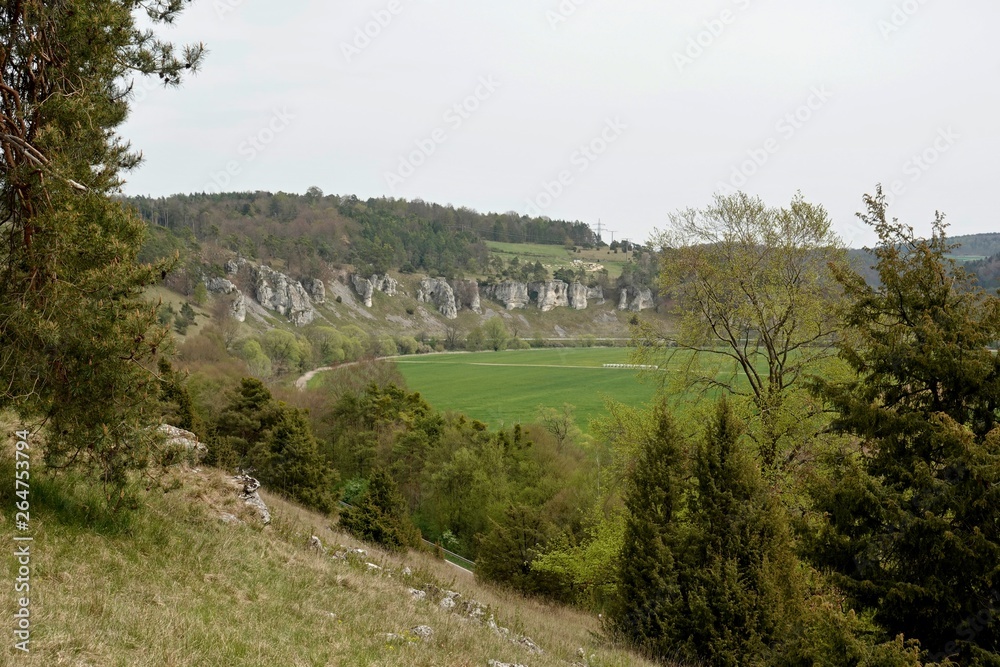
point(504, 388)
point(555, 257)
point(508, 387)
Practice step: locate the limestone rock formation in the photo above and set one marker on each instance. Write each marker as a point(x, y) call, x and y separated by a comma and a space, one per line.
point(511, 294)
point(550, 294)
point(316, 289)
point(467, 295)
point(636, 299)
point(364, 288)
point(596, 294)
point(578, 296)
point(239, 307)
point(232, 267)
point(438, 292)
point(385, 284)
point(178, 437)
point(219, 286)
point(251, 497)
point(275, 291)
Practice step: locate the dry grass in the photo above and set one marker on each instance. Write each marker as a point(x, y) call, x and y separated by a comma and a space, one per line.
point(173, 585)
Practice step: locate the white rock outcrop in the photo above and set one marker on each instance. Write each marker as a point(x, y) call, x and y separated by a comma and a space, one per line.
point(249, 495)
point(578, 296)
point(596, 294)
point(316, 289)
point(239, 307)
point(636, 299)
point(467, 295)
point(276, 291)
point(550, 294)
point(363, 286)
point(219, 286)
point(511, 294)
point(438, 292)
point(385, 284)
point(178, 437)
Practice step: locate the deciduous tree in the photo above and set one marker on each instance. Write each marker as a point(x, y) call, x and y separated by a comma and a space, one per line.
point(752, 289)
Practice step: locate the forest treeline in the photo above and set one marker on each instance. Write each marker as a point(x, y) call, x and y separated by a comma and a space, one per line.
point(374, 235)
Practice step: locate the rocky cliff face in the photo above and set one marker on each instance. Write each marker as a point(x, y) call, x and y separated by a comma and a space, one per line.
point(276, 291)
point(596, 294)
point(550, 295)
point(316, 289)
point(385, 284)
point(239, 307)
point(636, 299)
point(511, 294)
point(440, 293)
point(364, 288)
point(578, 296)
point(467, 295)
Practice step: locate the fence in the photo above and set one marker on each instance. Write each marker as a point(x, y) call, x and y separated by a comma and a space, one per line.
point(450, 556)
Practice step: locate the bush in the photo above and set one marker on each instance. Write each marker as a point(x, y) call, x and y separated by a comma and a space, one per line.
point(380, 516)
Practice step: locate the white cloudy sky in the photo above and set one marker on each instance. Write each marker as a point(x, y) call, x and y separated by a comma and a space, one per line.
point(888, 80)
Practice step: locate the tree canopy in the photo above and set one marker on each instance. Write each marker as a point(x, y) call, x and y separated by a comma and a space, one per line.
point(76, 337)
point(912, 517)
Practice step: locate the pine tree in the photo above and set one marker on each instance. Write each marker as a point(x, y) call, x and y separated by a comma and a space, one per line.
point(737, 575)
point(75, 333)
point(648, 591)
point(380, 515)
point(913, 528)
point(292, 464)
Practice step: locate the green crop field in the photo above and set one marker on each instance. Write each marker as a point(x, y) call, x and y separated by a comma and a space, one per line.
point(504, 388)
point(508, 387)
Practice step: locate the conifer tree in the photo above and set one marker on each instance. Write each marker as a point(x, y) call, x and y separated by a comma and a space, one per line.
point(736, 567)
point(75, 334)
point(292, 463)
point(913, 529)
point(648, 591)
point(380, 515)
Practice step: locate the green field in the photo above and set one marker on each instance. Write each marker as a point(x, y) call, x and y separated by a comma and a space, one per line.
point(502, 388)
point(554, 256)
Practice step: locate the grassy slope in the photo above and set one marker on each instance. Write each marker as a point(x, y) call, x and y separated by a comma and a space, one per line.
point(178, 587)
point(554, 256)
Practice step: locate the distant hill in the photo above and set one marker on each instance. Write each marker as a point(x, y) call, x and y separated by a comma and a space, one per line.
point(373, 235)
point(980, 253)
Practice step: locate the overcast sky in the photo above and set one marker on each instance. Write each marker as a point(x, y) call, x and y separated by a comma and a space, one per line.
point(588, 110)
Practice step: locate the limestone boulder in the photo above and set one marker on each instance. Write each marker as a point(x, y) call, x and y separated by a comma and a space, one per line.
point(277, 292)
point(363, 286)
point(437, 291)
point(220, 286)
point(509, 293)
point(550, 294)
point(578, 294)
point(467, 295)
